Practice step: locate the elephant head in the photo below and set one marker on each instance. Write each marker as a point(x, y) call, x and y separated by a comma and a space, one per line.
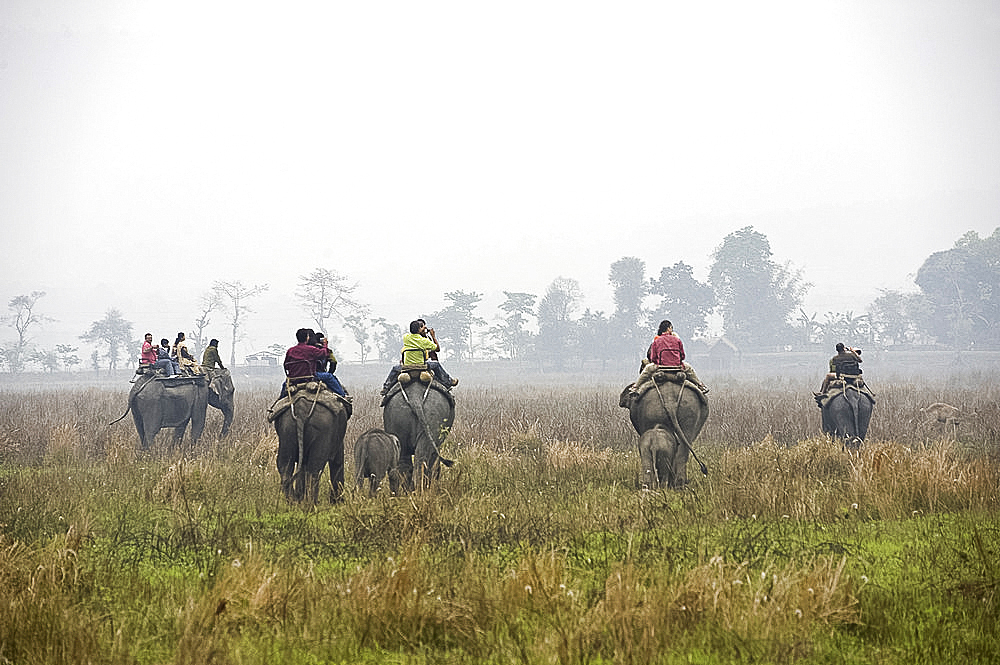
point(221, 395)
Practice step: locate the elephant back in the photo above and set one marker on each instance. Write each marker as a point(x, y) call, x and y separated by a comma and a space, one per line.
point(840, 387)
point(424, 386)
point(305, 397)
point(671, 395)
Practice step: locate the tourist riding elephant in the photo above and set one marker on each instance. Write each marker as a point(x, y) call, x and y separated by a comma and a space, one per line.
point(668, 414)
point(157, 401)
point(847, 411)
point(311, 425)
point(420, 414)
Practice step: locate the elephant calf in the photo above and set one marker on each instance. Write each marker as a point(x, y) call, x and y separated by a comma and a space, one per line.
point(376, 455)
point(664, 461)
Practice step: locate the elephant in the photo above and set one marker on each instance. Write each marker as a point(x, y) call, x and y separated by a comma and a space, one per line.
point(311, 423)
point(668, 414)
point(847, 410)
point(157, 402)
point(419, 412)
point(376, 455)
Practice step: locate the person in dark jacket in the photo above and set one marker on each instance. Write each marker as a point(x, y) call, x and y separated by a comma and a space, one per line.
point(210, 358)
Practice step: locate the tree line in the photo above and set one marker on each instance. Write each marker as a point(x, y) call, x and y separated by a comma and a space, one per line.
point(758, 299)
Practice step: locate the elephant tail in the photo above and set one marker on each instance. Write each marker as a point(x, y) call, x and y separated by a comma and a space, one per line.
point(418, 413)
point(132, 397)
point(672, 416)
point(120, 417)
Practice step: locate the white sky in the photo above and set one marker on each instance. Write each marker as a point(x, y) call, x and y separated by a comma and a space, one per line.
point(147, 150)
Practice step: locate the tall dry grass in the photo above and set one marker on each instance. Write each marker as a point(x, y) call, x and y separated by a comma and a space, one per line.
point(539, 546)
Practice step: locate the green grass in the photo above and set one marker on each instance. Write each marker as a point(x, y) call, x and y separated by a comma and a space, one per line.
point(537, 547)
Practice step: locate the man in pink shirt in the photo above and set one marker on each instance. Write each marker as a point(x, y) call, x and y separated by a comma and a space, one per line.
point(667, 350)
point(149, 356)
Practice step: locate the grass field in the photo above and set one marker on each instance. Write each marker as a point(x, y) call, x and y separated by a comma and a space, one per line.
point(539, 546)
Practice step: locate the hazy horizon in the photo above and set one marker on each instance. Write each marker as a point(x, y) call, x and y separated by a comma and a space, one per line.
point(419, 149)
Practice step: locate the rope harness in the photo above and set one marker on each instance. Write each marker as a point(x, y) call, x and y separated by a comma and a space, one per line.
point(672, 416)
point(418, 414)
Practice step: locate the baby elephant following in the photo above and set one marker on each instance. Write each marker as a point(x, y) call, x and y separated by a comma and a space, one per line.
point(376, 455)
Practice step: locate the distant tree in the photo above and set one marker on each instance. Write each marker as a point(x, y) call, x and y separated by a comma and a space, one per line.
point(962, 285)
point(845, 327)
point(756, 295)
point(358, 325)
point(556, 327)
point(511, 338)
point(66, 355)
point(236, 294)
point(808, 328)
point(22, 319)
point(454, 325)
point(114, 331)
point(327, 294)
point(47, 360)
point(207, 303)
point(899, 318)
point(684, 301)
point(627, 327)
point(388, 340)
point(593, 330)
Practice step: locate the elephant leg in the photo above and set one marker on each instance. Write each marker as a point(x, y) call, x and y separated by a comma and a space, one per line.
point(286, 467)
point(337, 480)
point(406, 469)
point(310, 487)
point(179, 433)
point(394, 481)
point(647, 458)
point(678, 456)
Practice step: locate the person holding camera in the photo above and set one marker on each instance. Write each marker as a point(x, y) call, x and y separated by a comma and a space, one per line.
point(847, 362)
point(418, 345)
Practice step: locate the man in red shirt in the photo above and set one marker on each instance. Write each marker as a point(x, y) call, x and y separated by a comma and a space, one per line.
point(302, 359)
point(667, 350)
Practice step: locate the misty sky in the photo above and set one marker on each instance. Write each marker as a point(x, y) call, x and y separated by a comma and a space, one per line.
point(149, 149)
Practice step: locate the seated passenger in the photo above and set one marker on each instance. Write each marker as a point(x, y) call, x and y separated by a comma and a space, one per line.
point(667, 350)
point(418, 344)
point(302, 359)
point(185, 359)
point(326, 367)
point(163, 353)
point(150, 356)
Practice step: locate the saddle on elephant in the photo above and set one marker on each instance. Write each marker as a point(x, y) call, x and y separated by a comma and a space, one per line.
point(663, 374)
point(150, 373)
point(310, 392)
point(840, 385)
point(420, 373)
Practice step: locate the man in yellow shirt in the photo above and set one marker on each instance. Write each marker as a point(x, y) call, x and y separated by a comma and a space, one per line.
point(417, 345)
